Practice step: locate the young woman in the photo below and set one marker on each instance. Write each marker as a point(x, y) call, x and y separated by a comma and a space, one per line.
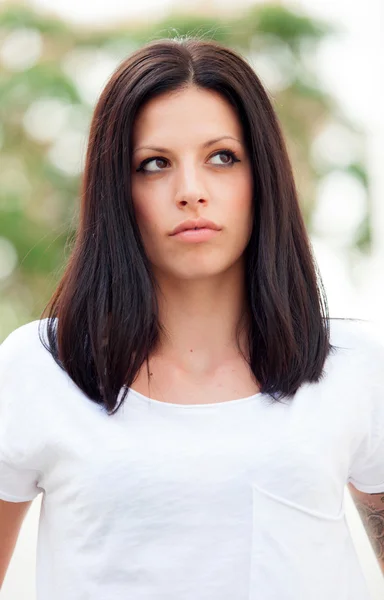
point(185, 405)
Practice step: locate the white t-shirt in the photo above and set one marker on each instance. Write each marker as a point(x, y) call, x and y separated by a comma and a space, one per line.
point(238, 500)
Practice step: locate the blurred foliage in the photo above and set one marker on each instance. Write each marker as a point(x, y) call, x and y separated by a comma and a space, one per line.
point(47, 96)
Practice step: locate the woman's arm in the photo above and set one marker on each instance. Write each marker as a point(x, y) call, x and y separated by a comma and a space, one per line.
point(371, 510)
point(11, 518)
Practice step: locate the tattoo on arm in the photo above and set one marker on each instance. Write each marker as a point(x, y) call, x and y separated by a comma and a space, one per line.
point(372, 516)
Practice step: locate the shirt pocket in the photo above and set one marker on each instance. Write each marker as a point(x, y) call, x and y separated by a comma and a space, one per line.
point(297, 553)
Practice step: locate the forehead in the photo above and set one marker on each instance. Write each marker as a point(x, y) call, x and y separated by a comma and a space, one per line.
point(192, 110)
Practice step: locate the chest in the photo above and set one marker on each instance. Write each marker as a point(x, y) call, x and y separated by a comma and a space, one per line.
point(232, 381)
point(147, 454)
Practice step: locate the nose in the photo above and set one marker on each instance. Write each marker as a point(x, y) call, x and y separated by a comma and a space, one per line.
point(190, 188)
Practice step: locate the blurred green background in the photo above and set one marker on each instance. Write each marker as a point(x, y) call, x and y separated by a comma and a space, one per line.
point(51, 74)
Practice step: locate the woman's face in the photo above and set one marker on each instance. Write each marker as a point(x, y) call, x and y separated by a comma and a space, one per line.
point(179, 172)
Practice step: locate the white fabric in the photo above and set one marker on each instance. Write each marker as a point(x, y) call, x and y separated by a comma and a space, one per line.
point(240, 500)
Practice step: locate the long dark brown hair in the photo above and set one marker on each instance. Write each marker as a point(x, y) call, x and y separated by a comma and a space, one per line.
point(102, 319)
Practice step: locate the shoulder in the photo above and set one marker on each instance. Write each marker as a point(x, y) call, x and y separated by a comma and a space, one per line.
point(358, 350)
point(24, 346)
point(29, 374)
point(359, 336)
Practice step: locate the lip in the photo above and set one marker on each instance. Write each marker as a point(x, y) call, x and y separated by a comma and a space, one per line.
point(192, 236)
point(193, 223)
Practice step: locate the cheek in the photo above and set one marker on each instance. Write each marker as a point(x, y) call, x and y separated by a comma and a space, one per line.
point(240, 205)
point(149, 202)
point(145, 213)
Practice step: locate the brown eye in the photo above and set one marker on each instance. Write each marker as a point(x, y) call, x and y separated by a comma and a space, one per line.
point(229, 156)
point(158, 161)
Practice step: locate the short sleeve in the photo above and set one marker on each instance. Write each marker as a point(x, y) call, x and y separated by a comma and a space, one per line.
point(367, 465)
point(20, 439)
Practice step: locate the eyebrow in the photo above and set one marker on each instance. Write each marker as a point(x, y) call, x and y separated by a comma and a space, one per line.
point(205, 145)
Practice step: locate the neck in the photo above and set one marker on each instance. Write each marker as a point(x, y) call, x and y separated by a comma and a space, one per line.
point(204, 322)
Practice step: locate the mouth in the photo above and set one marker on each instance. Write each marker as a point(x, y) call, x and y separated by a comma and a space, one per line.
point(197, 234)
point(195, 225)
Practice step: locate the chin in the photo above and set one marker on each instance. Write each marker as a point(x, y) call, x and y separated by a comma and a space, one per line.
point(196, 272)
